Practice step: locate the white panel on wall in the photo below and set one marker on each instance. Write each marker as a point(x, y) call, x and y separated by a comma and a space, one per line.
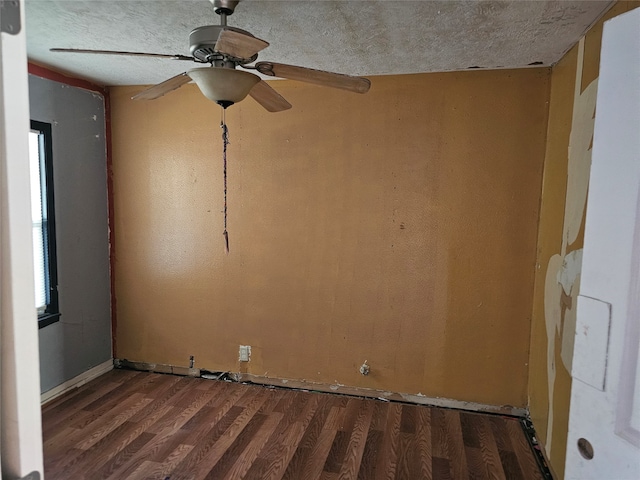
point(591, 341)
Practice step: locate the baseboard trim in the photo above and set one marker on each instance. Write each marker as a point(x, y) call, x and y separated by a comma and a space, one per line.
point(76, 381)
point(327, 388)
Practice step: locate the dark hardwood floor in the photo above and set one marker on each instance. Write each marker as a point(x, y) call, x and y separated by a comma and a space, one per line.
point(139, 425)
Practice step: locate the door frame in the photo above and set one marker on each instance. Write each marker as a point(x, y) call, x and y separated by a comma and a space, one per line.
point(609, 298)
point(20, 412)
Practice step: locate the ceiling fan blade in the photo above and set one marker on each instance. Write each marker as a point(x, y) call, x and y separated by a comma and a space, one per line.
point(319, 77)
point(266, 96)
point(115, 52)
point(238, 44)
point(160, 89)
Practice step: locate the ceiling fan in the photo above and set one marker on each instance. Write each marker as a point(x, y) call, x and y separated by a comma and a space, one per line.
point(225, 48)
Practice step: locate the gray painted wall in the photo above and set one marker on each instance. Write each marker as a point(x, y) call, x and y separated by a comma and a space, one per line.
point(82, 338)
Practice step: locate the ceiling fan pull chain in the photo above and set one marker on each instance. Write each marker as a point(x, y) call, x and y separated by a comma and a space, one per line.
point(225, 142)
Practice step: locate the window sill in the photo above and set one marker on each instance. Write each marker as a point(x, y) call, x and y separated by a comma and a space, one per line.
point(47, 319)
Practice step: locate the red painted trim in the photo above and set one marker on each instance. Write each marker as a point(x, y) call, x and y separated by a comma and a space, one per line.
point(44, 72)
point(111, 209)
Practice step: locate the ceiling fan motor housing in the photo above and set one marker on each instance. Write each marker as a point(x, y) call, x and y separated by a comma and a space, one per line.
point(202, 43)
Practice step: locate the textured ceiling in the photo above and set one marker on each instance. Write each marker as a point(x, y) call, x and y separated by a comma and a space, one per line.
point(364, 37)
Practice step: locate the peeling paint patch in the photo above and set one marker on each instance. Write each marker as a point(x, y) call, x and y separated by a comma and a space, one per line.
point(562, 281)
point(570, 270)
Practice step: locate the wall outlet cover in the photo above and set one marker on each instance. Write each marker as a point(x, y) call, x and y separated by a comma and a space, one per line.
point(244, 353)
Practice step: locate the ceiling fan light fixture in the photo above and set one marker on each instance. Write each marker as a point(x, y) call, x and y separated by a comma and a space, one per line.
point(225, 86)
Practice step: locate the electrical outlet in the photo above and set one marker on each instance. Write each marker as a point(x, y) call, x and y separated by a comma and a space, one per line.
point(245, 353)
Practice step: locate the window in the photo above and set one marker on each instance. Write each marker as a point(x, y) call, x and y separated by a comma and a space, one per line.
point(43, 218)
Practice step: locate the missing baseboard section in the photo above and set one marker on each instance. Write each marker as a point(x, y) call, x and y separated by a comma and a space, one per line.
point(418, 399)
point(157, 368)
point(326, 388)
point(537, 449)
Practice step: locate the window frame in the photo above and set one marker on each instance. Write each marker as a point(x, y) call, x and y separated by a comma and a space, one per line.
point(52, 310)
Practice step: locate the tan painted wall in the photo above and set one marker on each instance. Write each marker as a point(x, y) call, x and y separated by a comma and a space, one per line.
point(560, 237)
point(397, 227)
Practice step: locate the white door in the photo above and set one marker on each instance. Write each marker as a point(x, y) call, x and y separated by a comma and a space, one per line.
point(604, 421)
point(21, 441)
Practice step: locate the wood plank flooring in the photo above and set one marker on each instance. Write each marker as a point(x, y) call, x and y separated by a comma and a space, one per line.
point(140, 425)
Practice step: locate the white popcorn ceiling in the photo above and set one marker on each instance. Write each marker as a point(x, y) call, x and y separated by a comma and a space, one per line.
point(364, 37)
